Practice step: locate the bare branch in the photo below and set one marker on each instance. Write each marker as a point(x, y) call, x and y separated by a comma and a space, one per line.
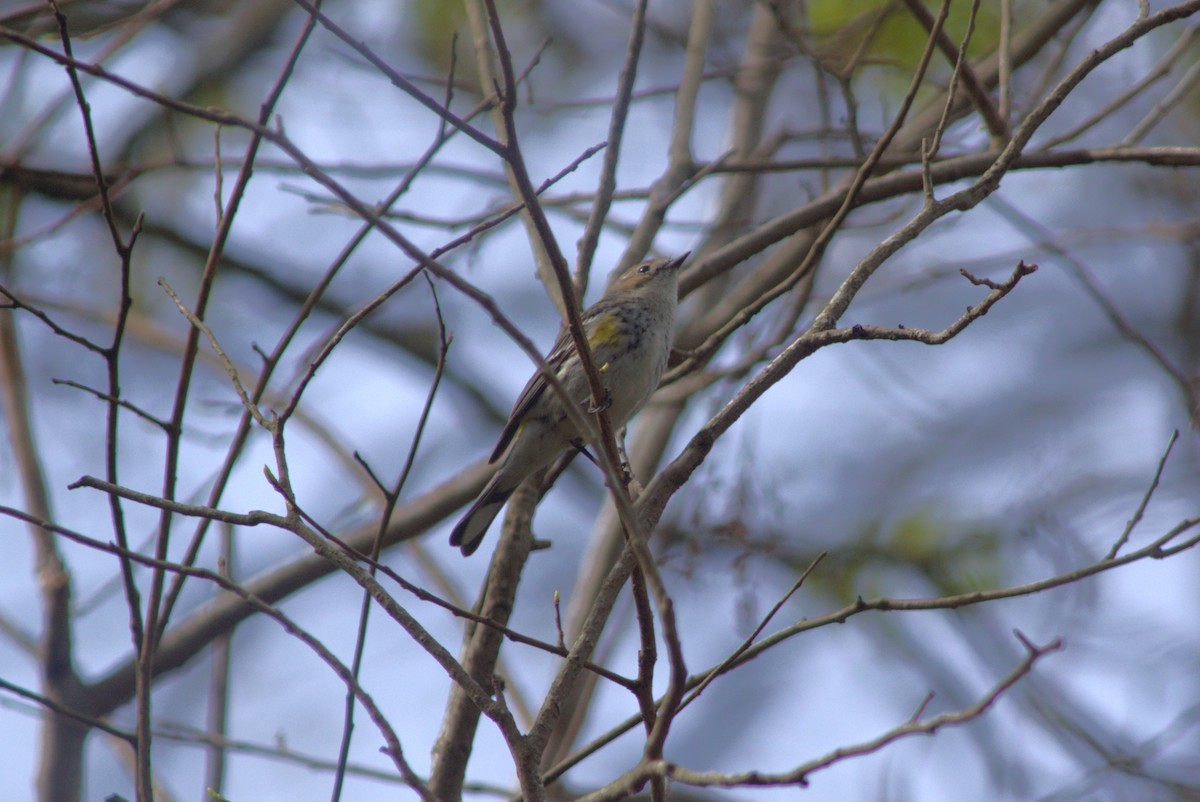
point(54, 706)
point(616, 131)
point(1165, 546)
point(411, 89)
point(996, 124)
point(1141, 508)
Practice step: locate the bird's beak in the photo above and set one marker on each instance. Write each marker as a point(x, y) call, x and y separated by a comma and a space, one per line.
point(678, 261)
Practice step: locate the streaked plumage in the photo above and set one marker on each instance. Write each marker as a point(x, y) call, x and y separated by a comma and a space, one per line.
point(629, 331)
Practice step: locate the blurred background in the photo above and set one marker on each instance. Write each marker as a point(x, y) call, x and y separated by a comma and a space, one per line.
point(1016, 452)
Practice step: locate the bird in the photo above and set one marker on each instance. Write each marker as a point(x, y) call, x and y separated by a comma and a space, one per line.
point(629, 331)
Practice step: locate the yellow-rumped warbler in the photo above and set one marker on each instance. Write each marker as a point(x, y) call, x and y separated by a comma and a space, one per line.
point(629, 331)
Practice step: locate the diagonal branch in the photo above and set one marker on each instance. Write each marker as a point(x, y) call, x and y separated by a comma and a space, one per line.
point(800, 774)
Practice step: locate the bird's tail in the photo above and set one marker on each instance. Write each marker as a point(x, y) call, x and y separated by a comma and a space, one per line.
point(469, 531)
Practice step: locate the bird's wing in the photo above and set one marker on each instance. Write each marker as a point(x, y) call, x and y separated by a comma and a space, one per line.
point(533, 391)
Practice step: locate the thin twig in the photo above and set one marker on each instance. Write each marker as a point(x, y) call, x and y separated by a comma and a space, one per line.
point(607, 183)
point(400, 81)
point(1141, 508)
point(962, 73)
point(1163, 547)
point(1004, 63)
point(309, 302)
point(847, 202)
point(14, 302)
point(54, 706)
point(800, 774)
point(121, 402)
point(976, 91)
point(219, 684)
point(226, 362)
point(1041, 235)
point(1136, 90)
point(677, 473)
point(1173, 98)
point(392, 748)
point(753, 636)
point(391, 498)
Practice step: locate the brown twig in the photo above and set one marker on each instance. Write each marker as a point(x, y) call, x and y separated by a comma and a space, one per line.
point(409, 88)
point(393, 749)
point(1163, 547)
point(799, 775)
point(391, 498)
point(996, 124)
point(817, 249)
point(607, 183)
point(1040, 234)
point(217, 713)
point(1141, 507)
point(665, 485)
